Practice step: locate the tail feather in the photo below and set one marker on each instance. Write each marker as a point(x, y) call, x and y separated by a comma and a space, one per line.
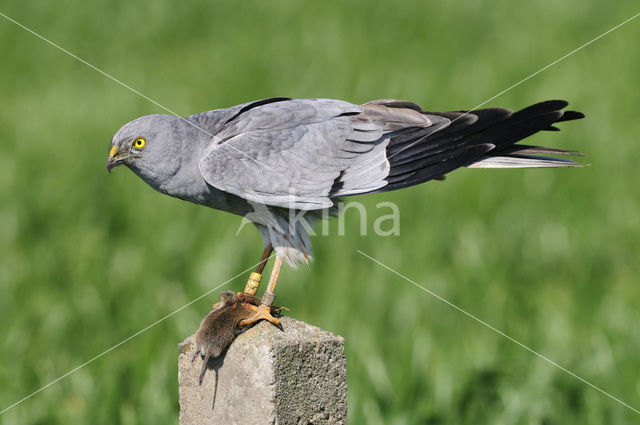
point(523, 161)
point(531, 149)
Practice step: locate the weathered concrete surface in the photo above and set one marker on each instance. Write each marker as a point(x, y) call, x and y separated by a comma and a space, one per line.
point(268, 376)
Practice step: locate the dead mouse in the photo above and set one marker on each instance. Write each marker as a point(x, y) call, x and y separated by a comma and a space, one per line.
point(219, 328)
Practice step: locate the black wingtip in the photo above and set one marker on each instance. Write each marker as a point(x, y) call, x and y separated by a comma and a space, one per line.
point(571, 115)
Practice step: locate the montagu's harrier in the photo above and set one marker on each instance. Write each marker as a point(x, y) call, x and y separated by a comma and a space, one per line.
point(268, 158)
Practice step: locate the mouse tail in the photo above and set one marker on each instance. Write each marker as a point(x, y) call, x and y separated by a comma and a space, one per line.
point(215, 390)
point(204, 367)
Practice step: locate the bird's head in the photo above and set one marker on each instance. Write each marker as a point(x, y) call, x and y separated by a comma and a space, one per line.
point(149, 146)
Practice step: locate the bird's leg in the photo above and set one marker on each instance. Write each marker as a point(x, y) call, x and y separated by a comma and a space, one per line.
point(253, 283)
point(269, 295)
point(263, 311)
point(254, 279)
point(265, 257)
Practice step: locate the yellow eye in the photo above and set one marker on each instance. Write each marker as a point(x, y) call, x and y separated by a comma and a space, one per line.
point(139, 143)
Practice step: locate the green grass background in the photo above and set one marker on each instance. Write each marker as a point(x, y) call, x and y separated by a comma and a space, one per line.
point(550, 257)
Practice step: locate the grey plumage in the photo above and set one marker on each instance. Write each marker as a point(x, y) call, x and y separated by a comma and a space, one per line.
point(264, 158)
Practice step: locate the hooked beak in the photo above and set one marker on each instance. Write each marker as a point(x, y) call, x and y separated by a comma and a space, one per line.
point(114, 159)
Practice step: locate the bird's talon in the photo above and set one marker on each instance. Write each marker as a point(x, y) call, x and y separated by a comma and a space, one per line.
point(262, 312)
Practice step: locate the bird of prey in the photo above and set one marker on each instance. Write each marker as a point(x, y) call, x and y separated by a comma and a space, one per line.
point(266, 159)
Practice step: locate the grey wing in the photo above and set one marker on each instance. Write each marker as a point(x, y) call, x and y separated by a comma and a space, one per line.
point(300, 153)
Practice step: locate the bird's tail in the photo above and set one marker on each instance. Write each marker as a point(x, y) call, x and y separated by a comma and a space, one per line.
point(485, 138)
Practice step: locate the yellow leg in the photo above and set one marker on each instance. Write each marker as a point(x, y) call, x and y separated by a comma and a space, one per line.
point(263, 311)
point(253, 283)
point(269, 294)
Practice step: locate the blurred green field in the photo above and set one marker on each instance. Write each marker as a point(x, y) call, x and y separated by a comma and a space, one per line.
point(550, 257)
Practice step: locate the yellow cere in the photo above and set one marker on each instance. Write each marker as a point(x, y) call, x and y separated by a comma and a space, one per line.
point(139, 143)
point(113, 151)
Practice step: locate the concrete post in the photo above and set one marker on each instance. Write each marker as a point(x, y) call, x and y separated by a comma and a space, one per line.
point(268, 376)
